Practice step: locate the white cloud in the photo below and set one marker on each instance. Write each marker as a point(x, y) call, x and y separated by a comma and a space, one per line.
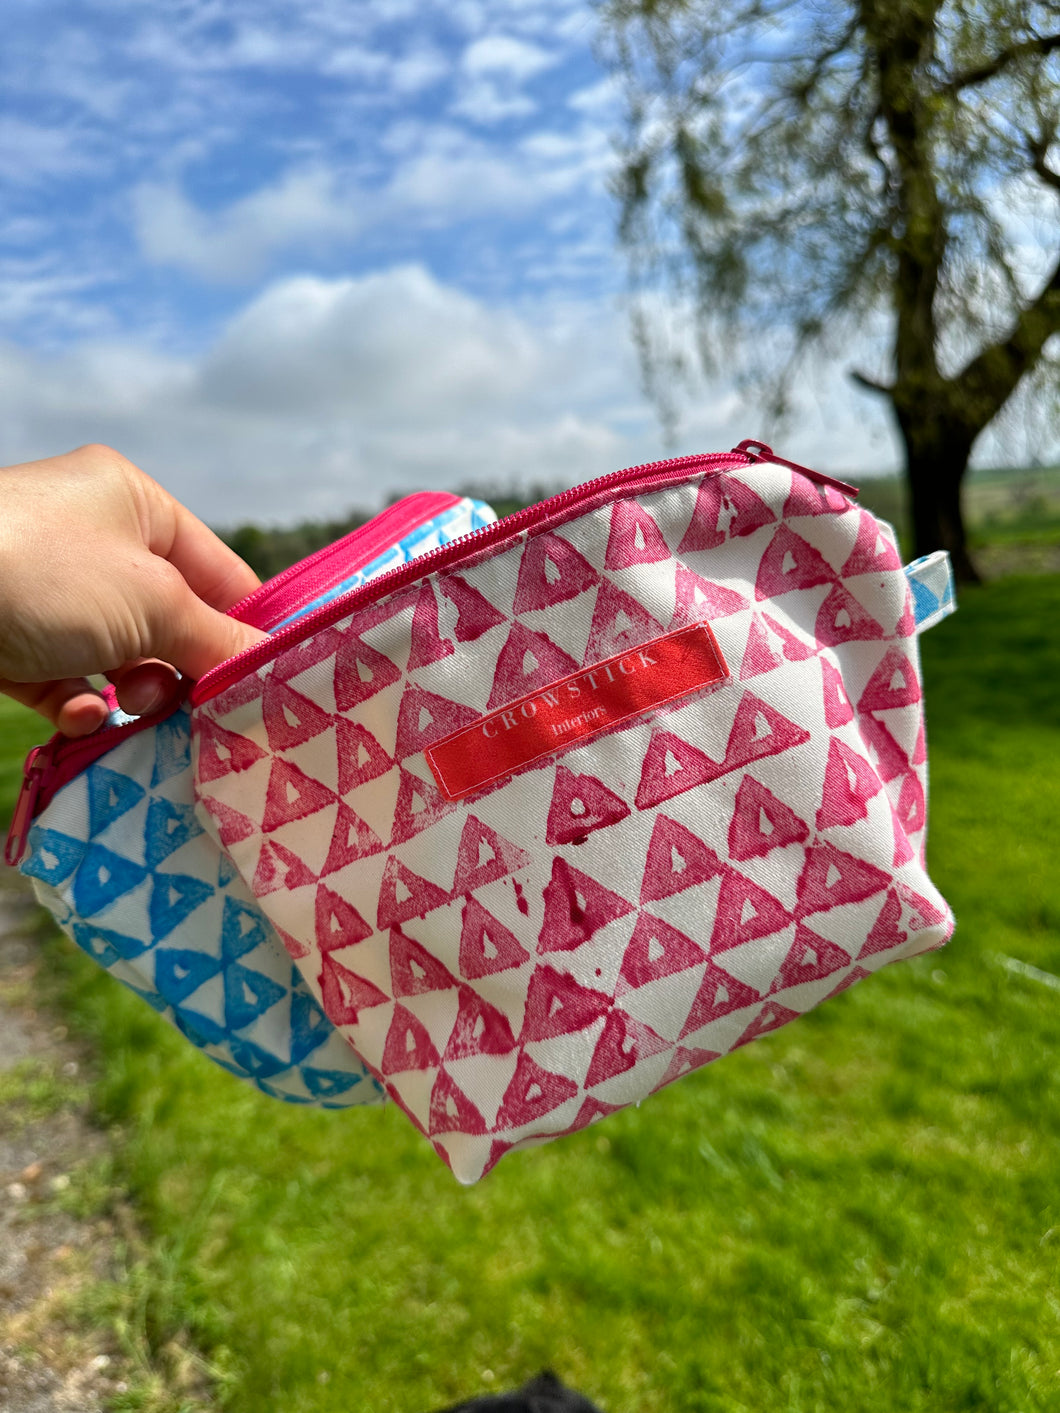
point(501, 54)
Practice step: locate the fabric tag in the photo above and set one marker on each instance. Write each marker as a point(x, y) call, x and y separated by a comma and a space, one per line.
point(576, 707)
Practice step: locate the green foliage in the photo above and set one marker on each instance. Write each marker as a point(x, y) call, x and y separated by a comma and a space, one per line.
point(858, 1212)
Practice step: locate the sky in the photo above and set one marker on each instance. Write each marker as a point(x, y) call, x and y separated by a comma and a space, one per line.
point(299, 256)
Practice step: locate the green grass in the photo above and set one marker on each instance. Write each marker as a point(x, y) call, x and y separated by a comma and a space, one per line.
point(861, 1212)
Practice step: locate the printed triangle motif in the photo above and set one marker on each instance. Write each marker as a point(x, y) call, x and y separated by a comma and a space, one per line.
point(425, 718)
point(811, 498)
point(486, 945)
point(479, 1029)
point(758, 656)
point(169, 827)
point(248, 995)
point(551, 571)
point(903, 850)
point(793, 647)
point(295, 950)
point(580, 805)
point(790, 562)
point(532, 1093)
point(724, 507)
point(232, 826)
point(745, 911)
point(888, 755)
point(107, 947)
point(576, 907)
point(759, 730)
point(351, 839)
point(911, 808)
point(221, 752)
point(677, 859)
point(557, 1005)
point(686, 1059)
point(656, 950)
point(452, 1111)
point(360, 672)
point(811, 958)
point(174, 897)
point(484, 856)
point(918, 912)
point(338, 924)
point(837, 705)
point(634, 537)
point(771, 1017)
point(873, 553)
point(619, 622)
point(855, 974)
point(719, 995)
point(528, 662)
point(428, 645)
point(623, 1043)
point(298, 658)
point(886, 932)
point(841, 619)
point(475, 614)
point(698, 598)
point(179, 972)
point(413, 970)
point(240, 694)
point(591, 1111)
point(110, 795)
point(310, 1027)
point(404, 895)
point(849, 783)
point(344, 994)
point(408, 1045)
point(290, 871)
point(291, 795)
point(830, 877)
point(290, 718)
point(419, 805)
point(672, 766)
point(761, 823)
point(360, 756)
point(893, 684)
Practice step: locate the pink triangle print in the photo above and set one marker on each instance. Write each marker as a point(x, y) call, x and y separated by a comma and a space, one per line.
point(761, 823)
point(745, 911)
point(232, 826)
point(837, 706)
point(240, 694)
point(484, 856)
point(413, 970)
point(849, 783)
point(919, 913)
point(830, 877)
point(528, 662)
point(893, 684)
point(759, 730)
point(811, 958)
point(580, 805)
point(475, 614)
point(771, 1017)
point(903, 850)
point(719, 995)
point(222, 752)
point(310, 651)
point(841, 619)
point(424, 718)
point(685, 1059)
point(295, 950)
point(619, 621)
point(886, 932)
point(408, 1045)
point(344, 994)
point(428, 645)
point(698, 598)
point(479, 1029)
point(873, 553)
point(758, 656)
point(290, 718)
point(790, 562)
point(360, 672)
point(656, 950)
point(576, 907)
point(724, 507)
point(623, 1043)
point(634, 537)
point(883, 749)
point(351, 839)
point(672, 766)
point(277, 868)
point(486, 945)
point(292, 795)
point(855, 974)
point(419, 805)
point(557, 1005)
point(551, 572)
point(677, 859)
point(404, 895)
point(793, 647)
point(811, 498)
point(360, 756)
point(452, 1111)
point(338, 924)
point(911, 808)
point(532, 1093)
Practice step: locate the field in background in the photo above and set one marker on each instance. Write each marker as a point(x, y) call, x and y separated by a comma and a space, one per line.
point(859, 1212)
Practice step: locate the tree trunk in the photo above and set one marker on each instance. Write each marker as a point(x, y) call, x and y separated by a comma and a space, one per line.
point(936, 462)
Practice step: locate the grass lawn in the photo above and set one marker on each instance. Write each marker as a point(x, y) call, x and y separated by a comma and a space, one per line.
point(860, 1212)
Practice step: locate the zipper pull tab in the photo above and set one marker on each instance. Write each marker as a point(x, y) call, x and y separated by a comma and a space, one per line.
point(38, 763)
point(759, 451)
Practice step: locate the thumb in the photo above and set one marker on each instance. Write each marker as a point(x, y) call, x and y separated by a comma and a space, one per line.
point(195, 637)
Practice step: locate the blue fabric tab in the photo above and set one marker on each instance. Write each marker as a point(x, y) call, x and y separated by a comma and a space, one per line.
point(931, 583)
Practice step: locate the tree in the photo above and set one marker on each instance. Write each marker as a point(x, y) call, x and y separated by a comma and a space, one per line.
point(798, 173)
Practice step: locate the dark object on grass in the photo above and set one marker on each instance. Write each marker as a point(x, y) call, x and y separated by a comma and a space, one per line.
point(544, 1394)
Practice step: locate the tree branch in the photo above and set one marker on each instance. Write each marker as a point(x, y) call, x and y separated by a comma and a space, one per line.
point(1041, 44)
point(991, 377)
point(870, 384)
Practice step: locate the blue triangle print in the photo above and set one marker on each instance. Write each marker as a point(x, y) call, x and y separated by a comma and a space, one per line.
point(242, 929)
point(310, 1027)
point(102, 877)
point(172, 747)
point(173, 897)
point(924, 601)
point(168, 827)
point(201, 1030)
point(226, 871)
point(105, 946)
point(179, 972)
point(153, 999)
point(281, 1094)
point(248, 994)
point(110, 795)
point(255, 1061)
point(52, 856)
point(326, 1084)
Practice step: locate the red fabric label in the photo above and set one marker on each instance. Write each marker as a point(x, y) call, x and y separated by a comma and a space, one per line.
point(581, 705)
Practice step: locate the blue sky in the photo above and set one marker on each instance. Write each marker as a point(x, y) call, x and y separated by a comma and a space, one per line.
point(294, 257)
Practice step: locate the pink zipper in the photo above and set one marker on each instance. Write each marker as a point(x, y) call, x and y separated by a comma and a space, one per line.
point(285, 594)
point(633, 479)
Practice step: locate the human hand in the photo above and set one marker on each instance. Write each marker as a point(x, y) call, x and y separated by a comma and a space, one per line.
point(102, 571)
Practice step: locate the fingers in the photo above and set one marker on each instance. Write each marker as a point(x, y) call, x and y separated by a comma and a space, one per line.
point(213, 571)
point(146, 687)
point(72, 704)
point(193, 636)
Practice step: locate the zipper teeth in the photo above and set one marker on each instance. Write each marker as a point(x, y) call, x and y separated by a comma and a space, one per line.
point(214, 681)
